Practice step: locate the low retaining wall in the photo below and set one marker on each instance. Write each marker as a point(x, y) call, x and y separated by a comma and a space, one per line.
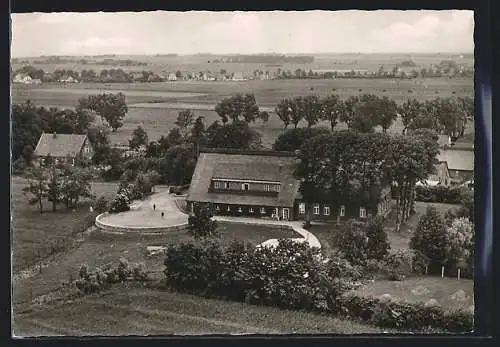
point(114, 229)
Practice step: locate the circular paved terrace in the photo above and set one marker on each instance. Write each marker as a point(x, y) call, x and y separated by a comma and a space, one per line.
point(143, 218)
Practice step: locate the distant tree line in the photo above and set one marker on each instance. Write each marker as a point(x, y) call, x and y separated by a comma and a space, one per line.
point(364, 113)
point(266, 59)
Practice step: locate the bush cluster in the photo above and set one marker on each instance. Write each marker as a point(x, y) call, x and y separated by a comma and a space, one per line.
point(405, 316)
point(440, 194)
point(101, 204)
point(122, 199)
point(290, 275)
point(101, 278)
point(403, 263)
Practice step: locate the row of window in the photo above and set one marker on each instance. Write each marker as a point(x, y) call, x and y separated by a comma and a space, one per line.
point(326, 210)
point(56, 160)
point(246, 186)
point(240, 209)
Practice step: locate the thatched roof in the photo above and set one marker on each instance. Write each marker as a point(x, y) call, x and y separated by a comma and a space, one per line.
point(256, 166)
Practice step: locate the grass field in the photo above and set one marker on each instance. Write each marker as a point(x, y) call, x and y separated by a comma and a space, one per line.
point(157, 104)
point(33, 231)
point(143, 312)
point(424, 288)
point(204, 62)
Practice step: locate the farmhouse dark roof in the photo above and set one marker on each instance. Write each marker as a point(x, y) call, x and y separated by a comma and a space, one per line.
point(457, 159)
point(214, 164)
point(60, 145)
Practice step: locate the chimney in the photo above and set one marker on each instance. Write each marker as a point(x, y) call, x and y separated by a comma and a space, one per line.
point(54, 135)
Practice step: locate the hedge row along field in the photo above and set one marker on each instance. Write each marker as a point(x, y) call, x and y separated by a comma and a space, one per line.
point(293, 276)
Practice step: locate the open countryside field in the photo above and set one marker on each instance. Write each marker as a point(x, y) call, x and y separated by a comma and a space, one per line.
point(155, 106)
point(138, 311)
point(206, 62)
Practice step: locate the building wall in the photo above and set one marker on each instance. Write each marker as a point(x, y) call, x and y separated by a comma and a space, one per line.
point(258, 187)
point(461, 176)
point(254, 211)
point(87, 150)
point(325, 212)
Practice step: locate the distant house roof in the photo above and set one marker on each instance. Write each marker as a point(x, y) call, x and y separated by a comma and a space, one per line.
point(263, 166)
point(457, 159)
point(60, 145)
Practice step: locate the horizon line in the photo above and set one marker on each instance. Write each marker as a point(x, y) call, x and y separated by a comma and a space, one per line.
point(234, 54)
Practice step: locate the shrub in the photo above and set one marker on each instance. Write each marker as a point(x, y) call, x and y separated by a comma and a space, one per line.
point(430, 238)
point(353, 242)
point(440, 194)
point(193, 267)
point(102, 278)
point(201, 223)
point(101, 204)
point(378, 244)
point(405, 316)
point(402, 263)
point(119, 204)
point(289, 275)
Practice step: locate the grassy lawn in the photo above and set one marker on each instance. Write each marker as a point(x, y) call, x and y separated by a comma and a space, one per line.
point(32, 231)
point(326, 232)
point(139, 311)
point(102, 248)
point(422, 289)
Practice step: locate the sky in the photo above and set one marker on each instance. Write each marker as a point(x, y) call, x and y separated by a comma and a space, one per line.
point(161, 32)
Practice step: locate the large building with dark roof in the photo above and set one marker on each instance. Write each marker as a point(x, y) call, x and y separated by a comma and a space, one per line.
point(260, 184)
point(62, 148)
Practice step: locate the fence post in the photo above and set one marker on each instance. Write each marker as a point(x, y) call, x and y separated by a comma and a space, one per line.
point(458, 276)
point(442, 271)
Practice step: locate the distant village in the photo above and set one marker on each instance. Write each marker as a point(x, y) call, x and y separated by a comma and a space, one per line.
point(29, 74)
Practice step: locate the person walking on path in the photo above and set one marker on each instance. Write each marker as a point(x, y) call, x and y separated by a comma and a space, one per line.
point(154, 207)
point(162, 214)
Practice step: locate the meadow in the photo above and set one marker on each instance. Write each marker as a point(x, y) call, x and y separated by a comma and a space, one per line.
point(155, 106)
point(140, 311)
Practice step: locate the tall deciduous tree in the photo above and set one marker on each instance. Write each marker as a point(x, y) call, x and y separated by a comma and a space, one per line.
point(349, 110)
point(37, 188)
point(110, 107)
point(283, 111)
point(239, 107)
point(333, 108)
point(139, 138)
point(237, 135)
point(99, 138)
point(409, 111)
point(292, 139)
point(75, 184)
point(430, 238)
point(312, 109)
point(387, 113)
point(413, 158)
point(296, 110)
point(185, 119)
